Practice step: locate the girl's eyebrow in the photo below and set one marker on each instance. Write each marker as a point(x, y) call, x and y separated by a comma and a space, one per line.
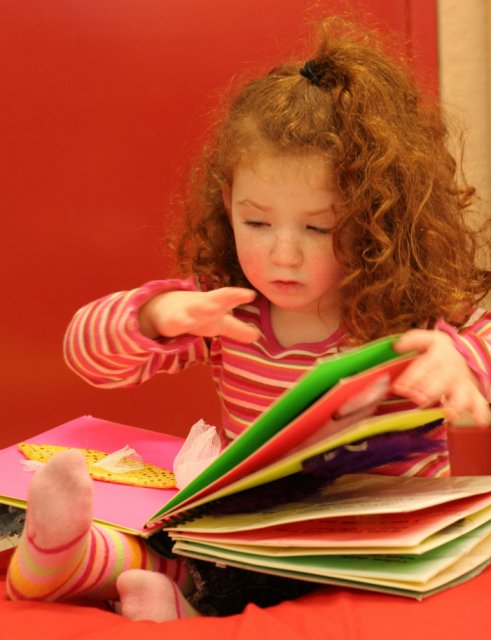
point(320, 211)
point(251, 203)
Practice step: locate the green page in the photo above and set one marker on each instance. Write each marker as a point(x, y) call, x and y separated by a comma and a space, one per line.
point(309, 388)
point(449, 578)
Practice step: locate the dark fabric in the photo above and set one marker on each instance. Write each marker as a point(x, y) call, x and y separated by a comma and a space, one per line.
point(225, 591)
point(12, 522)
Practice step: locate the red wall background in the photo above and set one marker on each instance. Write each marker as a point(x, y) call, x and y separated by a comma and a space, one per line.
point(101, 102)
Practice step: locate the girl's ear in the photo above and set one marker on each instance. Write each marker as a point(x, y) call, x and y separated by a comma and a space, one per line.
point(227, 199)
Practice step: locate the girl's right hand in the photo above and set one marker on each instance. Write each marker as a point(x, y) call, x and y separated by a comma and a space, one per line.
point(199, 313)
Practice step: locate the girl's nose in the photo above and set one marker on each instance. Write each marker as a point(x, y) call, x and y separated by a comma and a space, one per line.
point(286, 252)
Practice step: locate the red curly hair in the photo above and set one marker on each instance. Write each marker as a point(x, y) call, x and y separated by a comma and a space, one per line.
point(402, 235)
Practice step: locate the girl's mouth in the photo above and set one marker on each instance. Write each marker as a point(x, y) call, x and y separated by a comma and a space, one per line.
point(287, 285)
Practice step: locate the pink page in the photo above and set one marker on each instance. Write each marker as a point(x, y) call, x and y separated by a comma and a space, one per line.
point(117, 504)
point(375, 530)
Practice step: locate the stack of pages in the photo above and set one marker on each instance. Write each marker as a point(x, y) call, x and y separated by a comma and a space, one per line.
point(410, 536)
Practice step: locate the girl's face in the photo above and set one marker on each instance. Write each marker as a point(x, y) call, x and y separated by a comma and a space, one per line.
point(281, 210)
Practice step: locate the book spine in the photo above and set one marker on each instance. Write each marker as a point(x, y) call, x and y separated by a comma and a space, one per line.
point(174, 520)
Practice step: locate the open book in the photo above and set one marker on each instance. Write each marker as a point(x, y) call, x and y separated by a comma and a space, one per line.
point(407, 536)
point(330, 406)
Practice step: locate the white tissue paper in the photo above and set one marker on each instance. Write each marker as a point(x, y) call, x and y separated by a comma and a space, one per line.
point(121, 461)
point(201, 447)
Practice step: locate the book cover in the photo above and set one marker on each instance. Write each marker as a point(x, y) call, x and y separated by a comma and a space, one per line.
point(122, 506)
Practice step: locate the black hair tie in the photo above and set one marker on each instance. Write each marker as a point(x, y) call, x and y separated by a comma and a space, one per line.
point(313, 72)
point(316, 73)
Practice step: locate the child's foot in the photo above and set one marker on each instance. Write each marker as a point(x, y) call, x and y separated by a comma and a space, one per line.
point(56, 533)
point(146, 595)
point(59, 507)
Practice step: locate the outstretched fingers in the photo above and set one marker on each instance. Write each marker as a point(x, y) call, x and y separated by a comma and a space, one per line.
point(237, 330)
point(210, 315)
point(230, 297)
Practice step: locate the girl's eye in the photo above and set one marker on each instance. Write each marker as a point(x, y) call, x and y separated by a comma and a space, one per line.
point(255, 223)
point(321, 230)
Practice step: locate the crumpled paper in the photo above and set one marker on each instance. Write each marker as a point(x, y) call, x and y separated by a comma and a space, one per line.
point(121, 461)
point(201, 447)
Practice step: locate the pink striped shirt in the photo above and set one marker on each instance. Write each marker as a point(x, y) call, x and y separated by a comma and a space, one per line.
point(104, 346)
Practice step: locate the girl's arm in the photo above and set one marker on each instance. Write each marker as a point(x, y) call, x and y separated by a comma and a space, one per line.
point(125, 338)
point(453, 367)
point(104, 345)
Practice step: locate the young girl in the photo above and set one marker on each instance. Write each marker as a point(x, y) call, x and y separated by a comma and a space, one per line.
point(325, 213)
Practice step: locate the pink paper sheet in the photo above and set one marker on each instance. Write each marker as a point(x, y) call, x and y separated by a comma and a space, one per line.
point(117, 504)
point(379, 530)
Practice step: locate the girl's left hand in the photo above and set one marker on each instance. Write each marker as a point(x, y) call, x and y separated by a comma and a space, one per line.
point(440, 374)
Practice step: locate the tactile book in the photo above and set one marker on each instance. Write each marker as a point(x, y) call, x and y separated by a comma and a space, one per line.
point(259, 505)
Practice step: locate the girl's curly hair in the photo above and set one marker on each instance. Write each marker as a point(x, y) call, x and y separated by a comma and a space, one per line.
point(402, 235)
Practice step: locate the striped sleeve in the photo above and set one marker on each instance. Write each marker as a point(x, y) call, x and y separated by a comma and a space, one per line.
point(104, 346)
point(473, 342)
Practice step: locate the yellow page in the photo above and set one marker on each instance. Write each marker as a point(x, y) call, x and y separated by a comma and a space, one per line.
point(401, 421)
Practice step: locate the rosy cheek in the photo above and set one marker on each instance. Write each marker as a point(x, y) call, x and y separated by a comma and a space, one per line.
point(249, 256)
point(323, 264)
